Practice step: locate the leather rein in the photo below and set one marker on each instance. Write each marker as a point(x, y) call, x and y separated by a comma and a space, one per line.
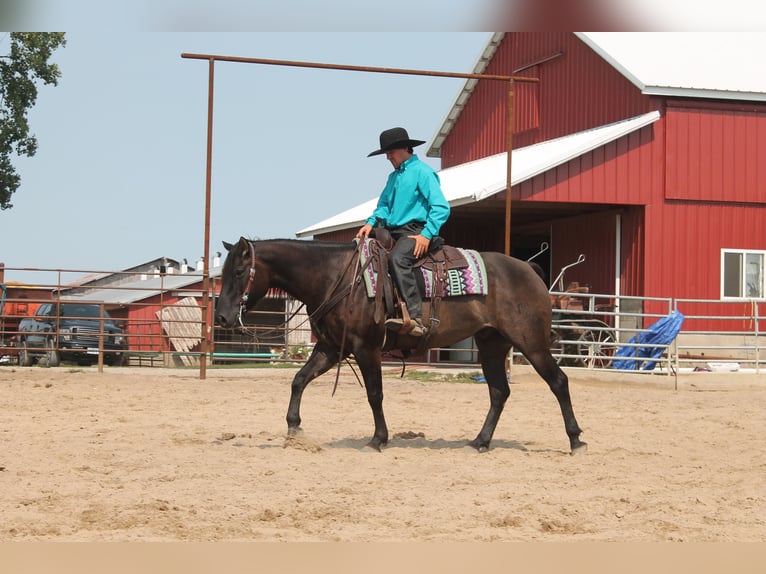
point(335, 297)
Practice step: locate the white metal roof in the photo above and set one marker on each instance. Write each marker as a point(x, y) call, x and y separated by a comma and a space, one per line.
point(477, 180)
point(691, 64)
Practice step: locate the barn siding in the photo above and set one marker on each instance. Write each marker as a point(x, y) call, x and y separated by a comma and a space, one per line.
point(617, 173)
point(577, 90)
point(716, 153)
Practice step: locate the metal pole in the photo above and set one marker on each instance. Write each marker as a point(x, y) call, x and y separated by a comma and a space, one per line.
point(508, 170)
point(323, 66)
point(206, 327)
point(509, 163)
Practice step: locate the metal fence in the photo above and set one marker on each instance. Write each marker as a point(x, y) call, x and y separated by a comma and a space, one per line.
point(159, 315)
point(162, 324)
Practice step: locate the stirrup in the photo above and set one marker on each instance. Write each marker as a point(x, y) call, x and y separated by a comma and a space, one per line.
point(417, 329)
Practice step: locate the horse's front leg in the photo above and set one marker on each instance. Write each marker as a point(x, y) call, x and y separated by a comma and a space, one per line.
point(322, 358)
point(369, 364)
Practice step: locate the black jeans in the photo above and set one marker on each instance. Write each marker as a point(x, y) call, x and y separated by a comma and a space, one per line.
point(401, 260)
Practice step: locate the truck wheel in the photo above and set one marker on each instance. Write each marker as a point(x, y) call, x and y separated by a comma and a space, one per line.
point(54, 360)
point(115, 360)
point(25, 359)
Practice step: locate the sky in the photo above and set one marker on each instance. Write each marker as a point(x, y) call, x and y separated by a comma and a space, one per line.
point(119, 176)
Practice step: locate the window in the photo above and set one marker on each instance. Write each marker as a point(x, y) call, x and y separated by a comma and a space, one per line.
point(742, 274)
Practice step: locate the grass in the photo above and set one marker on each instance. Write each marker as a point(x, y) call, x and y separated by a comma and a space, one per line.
point(457, 377)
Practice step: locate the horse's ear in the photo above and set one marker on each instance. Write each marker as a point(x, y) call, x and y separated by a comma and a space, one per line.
point(227, 245)
point(245, 246)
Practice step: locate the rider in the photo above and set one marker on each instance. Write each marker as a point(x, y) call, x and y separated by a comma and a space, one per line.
point(413, 209)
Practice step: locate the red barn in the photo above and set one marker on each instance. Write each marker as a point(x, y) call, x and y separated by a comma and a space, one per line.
point(657, 173)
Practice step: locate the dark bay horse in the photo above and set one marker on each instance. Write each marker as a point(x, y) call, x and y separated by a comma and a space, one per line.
point(516, 312)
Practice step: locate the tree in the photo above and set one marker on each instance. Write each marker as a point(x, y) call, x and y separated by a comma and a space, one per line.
point(26, 64)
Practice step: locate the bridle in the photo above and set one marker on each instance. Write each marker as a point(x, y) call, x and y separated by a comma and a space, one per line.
point(324, 307)
point(246, 294)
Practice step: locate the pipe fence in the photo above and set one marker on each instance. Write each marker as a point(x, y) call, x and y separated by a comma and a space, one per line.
point(156, 318)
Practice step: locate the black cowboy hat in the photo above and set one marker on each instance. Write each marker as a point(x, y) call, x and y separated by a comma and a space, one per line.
point(395, 138)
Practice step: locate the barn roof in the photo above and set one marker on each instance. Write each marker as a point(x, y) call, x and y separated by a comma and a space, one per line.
point(140, 289)
point(476, 180)
point(720, 65)
point(705, 65)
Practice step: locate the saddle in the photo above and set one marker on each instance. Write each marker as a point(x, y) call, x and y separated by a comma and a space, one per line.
point(439, 259)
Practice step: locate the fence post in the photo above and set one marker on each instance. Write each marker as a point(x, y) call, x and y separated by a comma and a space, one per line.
point(101, 338)
point(756, 319)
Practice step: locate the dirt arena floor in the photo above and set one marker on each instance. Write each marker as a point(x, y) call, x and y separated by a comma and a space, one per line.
point(150, 454)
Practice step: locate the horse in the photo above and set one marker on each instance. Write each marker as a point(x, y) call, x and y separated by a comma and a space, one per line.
point(515, 312)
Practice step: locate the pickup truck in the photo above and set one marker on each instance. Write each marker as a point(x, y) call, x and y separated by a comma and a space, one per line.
point(69, 331)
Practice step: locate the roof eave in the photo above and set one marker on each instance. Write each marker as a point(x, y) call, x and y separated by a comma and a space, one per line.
point(703, 94)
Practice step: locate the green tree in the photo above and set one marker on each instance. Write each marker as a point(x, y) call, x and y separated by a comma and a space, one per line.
point(25, 65)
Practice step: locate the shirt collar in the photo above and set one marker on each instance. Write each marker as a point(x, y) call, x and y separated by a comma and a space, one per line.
point(406, 162)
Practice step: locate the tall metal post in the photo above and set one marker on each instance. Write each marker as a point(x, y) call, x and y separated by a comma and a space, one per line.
point(206, 326)
point(508, 169)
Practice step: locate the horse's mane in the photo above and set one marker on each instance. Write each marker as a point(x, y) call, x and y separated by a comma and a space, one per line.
point(334, 246)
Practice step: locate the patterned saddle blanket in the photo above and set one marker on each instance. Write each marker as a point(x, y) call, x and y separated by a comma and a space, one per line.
point(465, 271)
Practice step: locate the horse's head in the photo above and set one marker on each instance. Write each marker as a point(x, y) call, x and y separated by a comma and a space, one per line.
point(244, 280)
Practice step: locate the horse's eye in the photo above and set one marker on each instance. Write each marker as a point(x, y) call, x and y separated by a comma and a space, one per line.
point(239, 273)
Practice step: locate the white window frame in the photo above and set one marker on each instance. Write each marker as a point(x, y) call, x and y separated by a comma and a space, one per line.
point(743, 296)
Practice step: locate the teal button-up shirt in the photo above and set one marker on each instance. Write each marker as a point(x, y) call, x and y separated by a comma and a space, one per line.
point(412, 193)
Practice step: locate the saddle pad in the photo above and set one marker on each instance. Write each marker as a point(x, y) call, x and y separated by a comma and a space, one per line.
point(470, 280)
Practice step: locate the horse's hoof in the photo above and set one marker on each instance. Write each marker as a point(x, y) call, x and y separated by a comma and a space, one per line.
point(478, 447)
point(294, 431)
point(370, 446)
point(581, 448)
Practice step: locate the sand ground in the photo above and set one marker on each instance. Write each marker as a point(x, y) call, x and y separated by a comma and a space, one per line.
point(146, 454)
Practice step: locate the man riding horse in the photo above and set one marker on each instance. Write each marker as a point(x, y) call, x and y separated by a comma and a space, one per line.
point(412, 207)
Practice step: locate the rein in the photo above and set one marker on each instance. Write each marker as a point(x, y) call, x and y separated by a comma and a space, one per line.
point(333, 299)
point(354, 281)
point(246, 294)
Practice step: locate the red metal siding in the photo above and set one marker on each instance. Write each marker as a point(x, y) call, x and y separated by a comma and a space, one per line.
point(716, 152)
point(341, 236)
point(577, 91)
point(684, 242)
point(617, 173)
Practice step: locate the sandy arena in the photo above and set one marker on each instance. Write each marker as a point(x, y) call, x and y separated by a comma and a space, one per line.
point(135, 454)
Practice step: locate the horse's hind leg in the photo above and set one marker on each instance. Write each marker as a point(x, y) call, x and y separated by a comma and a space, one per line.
point(322, 358)
point(557, 380)
point(493, 349)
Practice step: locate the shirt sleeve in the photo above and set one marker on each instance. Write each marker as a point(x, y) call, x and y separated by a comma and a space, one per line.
point(437, 205)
